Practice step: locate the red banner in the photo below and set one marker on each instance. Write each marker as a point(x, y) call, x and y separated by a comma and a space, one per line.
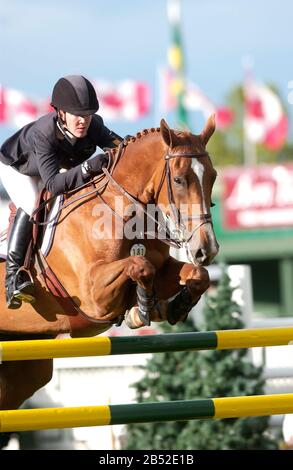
point(258, 197)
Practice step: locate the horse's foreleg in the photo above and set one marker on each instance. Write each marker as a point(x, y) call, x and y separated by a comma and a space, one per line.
point(110, 292)
point(141, 271)
point(173, 274)
point(20, 380)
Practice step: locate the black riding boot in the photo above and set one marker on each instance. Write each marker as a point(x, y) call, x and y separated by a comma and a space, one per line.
point(18, 283)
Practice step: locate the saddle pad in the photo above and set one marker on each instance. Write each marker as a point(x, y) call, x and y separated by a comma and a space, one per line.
point(48, 236)
point(3, 246)
point(50, 228)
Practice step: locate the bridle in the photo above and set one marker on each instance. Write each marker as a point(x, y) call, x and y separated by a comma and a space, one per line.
point(180, 228)
point(175, 238)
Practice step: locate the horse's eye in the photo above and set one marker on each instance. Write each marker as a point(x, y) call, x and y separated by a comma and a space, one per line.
point(212, 204)
point(178, 180)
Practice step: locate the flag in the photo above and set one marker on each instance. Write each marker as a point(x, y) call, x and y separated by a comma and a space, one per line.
point(167, 93)
point(194, 100)
point(176, 62)
point(265, 121)
point(126, 100)
point(16, 109)
point(19, 109)
point(2, 106)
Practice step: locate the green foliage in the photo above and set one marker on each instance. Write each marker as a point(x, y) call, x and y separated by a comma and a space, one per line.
point(203, 374)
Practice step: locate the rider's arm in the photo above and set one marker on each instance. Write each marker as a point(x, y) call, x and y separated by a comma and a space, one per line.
point(101, 135)
point(48, 168)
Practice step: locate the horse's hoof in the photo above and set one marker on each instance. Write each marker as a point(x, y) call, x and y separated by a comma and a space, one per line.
point(4, 439)
point(132, 319)
point(179, 308)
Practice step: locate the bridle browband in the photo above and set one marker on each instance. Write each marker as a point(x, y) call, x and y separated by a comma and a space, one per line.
point(178, 240)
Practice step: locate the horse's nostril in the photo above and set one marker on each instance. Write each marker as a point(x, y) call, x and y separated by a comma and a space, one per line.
point(201, 255)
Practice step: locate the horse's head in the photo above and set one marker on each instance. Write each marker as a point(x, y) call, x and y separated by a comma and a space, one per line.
point(189, 181)
point(168, 173)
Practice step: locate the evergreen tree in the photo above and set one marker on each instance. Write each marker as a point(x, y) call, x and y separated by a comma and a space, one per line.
point(202, 374)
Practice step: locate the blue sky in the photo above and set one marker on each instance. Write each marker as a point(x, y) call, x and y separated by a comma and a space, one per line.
point(114, 40)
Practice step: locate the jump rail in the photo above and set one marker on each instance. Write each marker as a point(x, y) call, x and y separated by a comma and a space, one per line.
point(213, 408)
point(103, 346)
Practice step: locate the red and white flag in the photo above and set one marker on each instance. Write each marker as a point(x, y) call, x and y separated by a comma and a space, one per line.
point(128, 100)
point(195, 99)
point(17, 108)
point(265, 121)
point(2, 106)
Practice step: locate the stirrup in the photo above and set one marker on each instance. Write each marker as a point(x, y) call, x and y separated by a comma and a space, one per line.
point(25, 291)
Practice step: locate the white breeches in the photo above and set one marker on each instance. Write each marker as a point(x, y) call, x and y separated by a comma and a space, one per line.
point(23, 190)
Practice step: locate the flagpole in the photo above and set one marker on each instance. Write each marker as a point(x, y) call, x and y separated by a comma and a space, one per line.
point(249, 147)
point(176, 60)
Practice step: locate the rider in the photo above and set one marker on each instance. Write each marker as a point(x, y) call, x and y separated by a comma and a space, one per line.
point(34, 156)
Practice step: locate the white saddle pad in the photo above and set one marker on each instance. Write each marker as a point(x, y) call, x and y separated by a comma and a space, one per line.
point(49, 232)
point(3, 245)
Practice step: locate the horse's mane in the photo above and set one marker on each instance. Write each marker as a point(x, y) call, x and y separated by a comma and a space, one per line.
point(138, 135)
point(142, 134)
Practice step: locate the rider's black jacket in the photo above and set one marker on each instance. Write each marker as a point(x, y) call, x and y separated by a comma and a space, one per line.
point(39, 149)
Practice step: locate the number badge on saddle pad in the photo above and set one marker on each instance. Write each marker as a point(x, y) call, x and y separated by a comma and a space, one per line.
point(138, 249)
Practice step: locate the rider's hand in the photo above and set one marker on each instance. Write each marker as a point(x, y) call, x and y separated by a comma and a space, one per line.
point(94, 166)
point(98, 162)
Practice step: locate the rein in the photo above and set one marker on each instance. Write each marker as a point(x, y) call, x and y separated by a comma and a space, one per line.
point(179, 226)
point(177, 241)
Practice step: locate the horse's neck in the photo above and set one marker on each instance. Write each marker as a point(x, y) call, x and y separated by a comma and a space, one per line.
point(135, 173)
point(141, 160)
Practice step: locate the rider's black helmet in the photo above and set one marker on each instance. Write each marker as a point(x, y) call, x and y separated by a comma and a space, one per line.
point(75, 95)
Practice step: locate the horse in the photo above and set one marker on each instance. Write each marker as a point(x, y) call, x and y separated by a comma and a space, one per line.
point(106, 279)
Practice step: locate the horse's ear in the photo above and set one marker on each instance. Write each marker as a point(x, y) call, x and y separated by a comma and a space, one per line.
point(166, 133)
point(209, 129)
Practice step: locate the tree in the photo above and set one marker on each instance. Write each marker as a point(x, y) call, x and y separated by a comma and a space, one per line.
point(203, 374)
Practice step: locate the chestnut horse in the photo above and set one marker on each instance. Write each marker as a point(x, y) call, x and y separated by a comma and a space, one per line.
point(114, 278)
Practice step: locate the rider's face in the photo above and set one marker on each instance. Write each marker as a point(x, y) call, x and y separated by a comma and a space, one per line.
point(77, 125)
